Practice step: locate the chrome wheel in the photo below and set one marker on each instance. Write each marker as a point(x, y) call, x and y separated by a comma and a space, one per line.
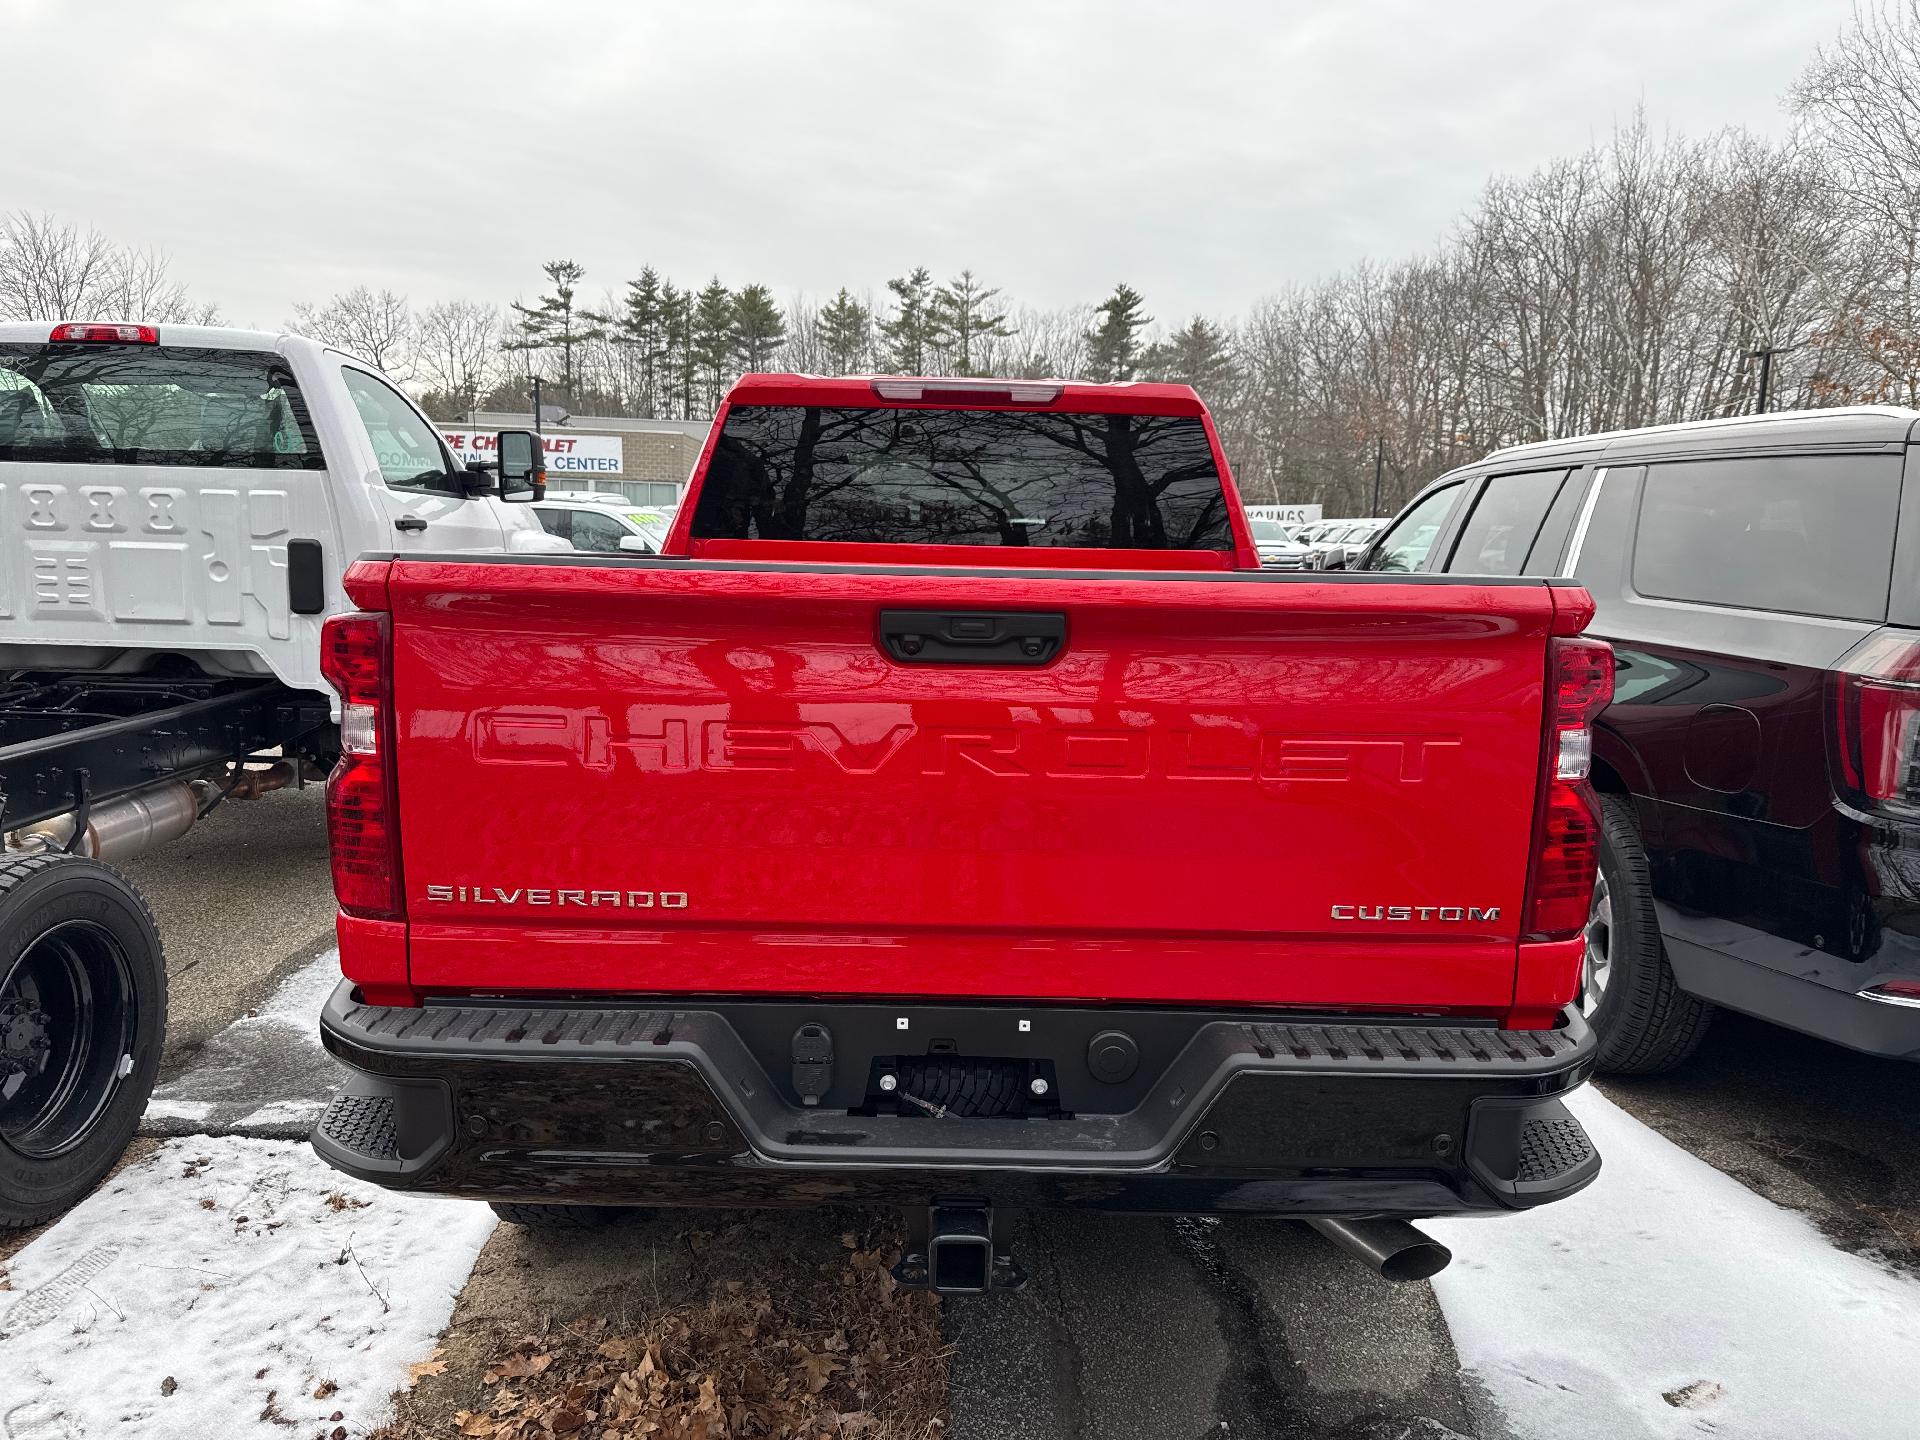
point(1596, 966)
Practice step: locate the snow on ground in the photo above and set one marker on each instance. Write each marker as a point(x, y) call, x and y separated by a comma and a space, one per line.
point(246, 1273)
point(265, 1074)
point(1667, 1278)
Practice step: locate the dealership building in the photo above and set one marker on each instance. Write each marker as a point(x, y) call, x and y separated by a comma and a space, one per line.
point(648, 461)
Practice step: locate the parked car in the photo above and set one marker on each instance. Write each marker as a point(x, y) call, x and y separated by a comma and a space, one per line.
point(1341, 547)
point(178, 504)
point(1759, 768)
point(911, 840)
point(604, 522)
point(1276, 545)
point(1313, 534)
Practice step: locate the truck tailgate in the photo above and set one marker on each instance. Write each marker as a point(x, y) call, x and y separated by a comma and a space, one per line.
point(713, 778)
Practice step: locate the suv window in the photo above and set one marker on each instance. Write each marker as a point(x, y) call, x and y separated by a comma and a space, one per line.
point(86, 404)
point(1405, 543)
point(1498, 536)
point(593, 531)
point(407, 447)
point(1807, 535)
point(964, 477)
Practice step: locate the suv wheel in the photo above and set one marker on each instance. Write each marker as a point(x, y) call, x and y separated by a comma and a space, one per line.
point(83, 1012)
point(1646, 1023)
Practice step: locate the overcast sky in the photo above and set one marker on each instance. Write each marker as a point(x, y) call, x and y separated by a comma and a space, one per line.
point(1205, 153)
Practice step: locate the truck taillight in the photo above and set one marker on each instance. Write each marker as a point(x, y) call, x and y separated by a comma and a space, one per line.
point(81, 334)
point(1876, 710)
point(361, 833)
point(1566, 832)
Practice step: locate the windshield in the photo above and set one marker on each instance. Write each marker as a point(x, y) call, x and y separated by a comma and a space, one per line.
point(152, 405)
point(1269, 532)
point(964, 477)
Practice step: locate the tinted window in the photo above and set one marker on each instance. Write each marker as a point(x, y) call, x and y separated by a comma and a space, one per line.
point(594, 531)
point(554, 521)
point(1811, 536)
point(152, 405)
point(1408, 539)
point(1498, 536)
point(964, 477)
point(407, 447)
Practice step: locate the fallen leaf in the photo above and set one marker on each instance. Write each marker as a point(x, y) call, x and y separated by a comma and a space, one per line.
point(432, 1365)
point(324, 1389)
point(1697, 1396)
point(169, 1385)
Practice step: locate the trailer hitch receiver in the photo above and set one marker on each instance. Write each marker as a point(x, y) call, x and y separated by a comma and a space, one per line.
point(951, 1251)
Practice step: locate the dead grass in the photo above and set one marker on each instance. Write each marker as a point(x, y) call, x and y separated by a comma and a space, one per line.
point(834, 1349)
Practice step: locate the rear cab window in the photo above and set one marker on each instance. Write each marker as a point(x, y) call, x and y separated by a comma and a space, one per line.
point(1803, 535)
point(888, 475)
point(92, 404)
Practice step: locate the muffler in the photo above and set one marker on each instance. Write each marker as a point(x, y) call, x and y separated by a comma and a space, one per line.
point(120, 828)
point(1392, 1249)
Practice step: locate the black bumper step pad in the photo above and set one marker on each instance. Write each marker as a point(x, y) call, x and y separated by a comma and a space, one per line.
point(1551, 1148)
point(363, 1124)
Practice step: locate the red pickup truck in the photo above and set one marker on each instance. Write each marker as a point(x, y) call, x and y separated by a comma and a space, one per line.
point(954, 814)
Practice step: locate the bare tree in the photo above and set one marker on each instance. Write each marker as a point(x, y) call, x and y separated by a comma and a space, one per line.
point(455, 350)
point(53, 270)
point(376, 327)
point(1861, 96)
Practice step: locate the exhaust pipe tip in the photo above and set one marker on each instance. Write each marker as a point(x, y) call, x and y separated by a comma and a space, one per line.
point(1392, 1249)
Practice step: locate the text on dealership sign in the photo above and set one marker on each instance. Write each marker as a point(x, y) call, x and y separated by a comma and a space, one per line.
point(566, 454)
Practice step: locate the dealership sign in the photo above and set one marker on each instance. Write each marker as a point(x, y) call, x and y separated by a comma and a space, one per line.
point(1285, 514)
point(566, 454)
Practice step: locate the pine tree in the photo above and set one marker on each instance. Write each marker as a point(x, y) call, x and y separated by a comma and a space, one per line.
point(758, 329)
point(1197, 355)
point(642, 325)
point(1113, 345)
point(554, 323)
point(678, 371)
point(908, 335)
point(712, 340)
point(846, 327)
point(961, 316)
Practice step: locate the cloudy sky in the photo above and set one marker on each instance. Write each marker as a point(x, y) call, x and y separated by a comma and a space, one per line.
point(1206, 153)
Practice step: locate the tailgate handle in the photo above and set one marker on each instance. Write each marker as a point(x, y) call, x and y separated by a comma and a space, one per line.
point(972, 637)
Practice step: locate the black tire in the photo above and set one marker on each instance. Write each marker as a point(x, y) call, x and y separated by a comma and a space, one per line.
point(83, 1015)
point(559, 1217)
point(1646, 1023)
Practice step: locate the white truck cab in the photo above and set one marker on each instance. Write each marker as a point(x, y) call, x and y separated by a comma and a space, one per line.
point(199, 491)
point(178, 508)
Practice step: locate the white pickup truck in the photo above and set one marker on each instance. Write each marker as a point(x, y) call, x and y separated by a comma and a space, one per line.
point(178, 505)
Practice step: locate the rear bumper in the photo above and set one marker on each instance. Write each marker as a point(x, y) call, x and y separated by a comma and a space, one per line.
point(627, 1105)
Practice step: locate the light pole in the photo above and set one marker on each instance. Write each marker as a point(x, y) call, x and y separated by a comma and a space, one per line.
point(1765, 356)
point(536, 405)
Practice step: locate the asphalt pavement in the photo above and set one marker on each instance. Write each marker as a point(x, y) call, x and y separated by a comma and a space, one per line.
point(242, 899)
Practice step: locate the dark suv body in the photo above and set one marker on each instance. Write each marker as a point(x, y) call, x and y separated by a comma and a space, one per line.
point(1759, 767)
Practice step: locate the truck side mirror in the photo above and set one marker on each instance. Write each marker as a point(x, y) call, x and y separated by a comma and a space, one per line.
point(523, 466)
